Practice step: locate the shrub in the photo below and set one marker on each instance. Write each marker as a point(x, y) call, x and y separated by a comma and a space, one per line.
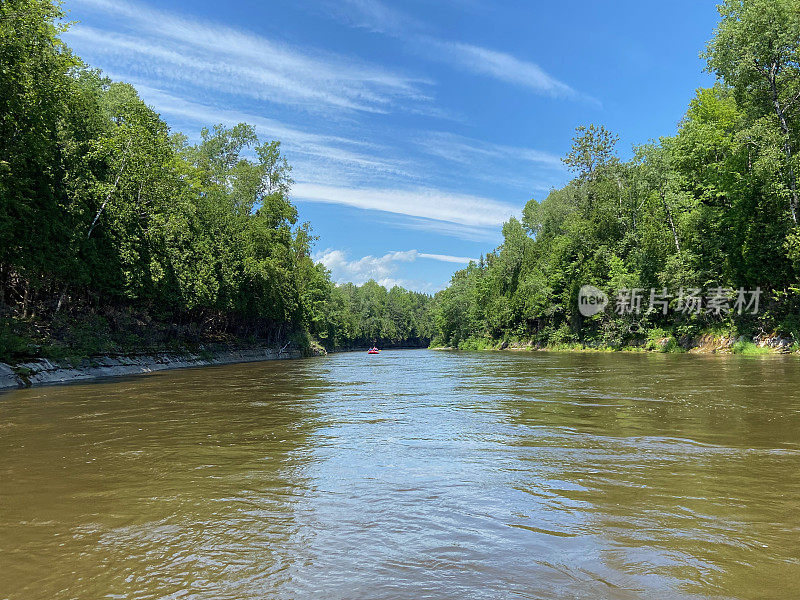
point(748, 348)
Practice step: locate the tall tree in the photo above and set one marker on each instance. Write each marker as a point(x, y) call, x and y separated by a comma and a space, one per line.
point(756, 50)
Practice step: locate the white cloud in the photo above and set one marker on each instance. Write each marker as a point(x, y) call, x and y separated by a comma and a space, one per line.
point(472, 211)
point(473, 234)
point(189, 51)
point(469, 151)
point(332, 158)
point(169, 104)
point(379, 17)
point(331, 148)
point(525, 169)
point(363, 269)
point(380, 268)
point(463, 260)
point(372, 15)
point(502, 66)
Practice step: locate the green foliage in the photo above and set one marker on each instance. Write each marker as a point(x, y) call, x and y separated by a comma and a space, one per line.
point(356, 316)
point(714, 205)
point(104, 211)
point(34, 88)
point(23, 371)
point(659, 340)
point(12, 345)
point(756, 51)
point(748, 348)
point(477, 344)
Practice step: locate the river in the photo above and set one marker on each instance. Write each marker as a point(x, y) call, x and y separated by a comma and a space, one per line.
point(411, 474)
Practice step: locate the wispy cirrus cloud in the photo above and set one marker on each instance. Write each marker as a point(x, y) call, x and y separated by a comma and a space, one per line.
point(361, 155)
point(424, 203)
point(460, 260)
point(483, 235)
point(342, 162)
point(382, 269)
point(470, 151)
point(526, 169)
point(502, 66)
point(372, 15)
point(162, 45)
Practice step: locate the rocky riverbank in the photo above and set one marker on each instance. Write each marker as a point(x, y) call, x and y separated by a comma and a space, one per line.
point(44, 371)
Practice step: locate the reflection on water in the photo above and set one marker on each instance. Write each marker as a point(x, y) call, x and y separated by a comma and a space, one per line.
point(412, 474)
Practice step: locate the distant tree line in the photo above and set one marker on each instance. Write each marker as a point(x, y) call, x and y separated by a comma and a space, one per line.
point(714, 206)
point(116, 233)
point(357, 316)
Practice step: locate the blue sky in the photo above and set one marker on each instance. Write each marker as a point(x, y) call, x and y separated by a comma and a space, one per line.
point(416, 128)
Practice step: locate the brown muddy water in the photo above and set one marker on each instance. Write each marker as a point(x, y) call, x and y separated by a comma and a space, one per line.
point(411, 474)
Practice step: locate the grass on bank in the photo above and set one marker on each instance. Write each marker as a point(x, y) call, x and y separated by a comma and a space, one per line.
point(749, 348)
point(658, 340)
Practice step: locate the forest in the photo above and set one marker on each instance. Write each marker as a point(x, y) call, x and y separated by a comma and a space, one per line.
point(117, 234)
point(711, 210)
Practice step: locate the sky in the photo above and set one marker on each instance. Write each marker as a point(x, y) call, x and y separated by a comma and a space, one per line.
point(415, 129)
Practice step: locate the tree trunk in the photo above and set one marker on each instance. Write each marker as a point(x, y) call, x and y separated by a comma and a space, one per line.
point(111, 191)
point(3, 285)
point(787, 148)
point(671, 222)
point(61, 298)
point(25, 300)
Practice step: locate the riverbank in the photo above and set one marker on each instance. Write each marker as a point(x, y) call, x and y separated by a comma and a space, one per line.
point(709, 343)
point(45, 371)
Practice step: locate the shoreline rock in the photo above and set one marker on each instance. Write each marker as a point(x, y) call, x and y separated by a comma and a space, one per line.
point(47, 372)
